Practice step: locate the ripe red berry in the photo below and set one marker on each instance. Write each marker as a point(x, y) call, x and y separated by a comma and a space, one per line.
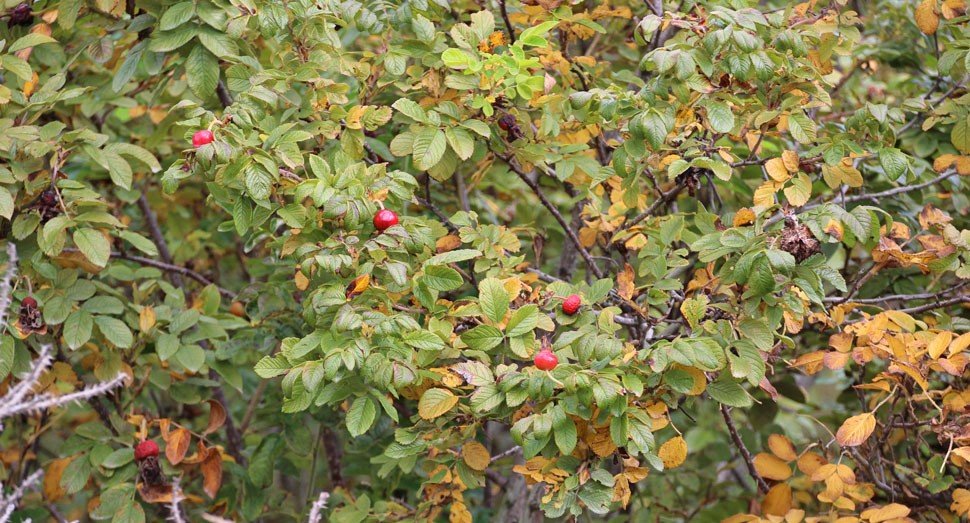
point(201, 138)
point(546, 360)
point(571, 305)
point(29, 302)
point(145, 449)
point(384, 219)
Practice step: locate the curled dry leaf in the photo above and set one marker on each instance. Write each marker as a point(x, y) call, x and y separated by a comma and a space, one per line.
point(177, 445)
point(217, 416)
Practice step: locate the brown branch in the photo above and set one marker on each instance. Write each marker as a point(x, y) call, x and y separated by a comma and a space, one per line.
point(175, 269)
point(331, 447)
point(158, 238)
point(664, 198)
point(762, 486)
point(513, 164)
point(505, 17)
point(224, 97)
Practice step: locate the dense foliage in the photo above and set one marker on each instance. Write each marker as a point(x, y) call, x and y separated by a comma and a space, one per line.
point(761, 209)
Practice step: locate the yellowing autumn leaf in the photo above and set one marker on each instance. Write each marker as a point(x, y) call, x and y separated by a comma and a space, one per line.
point(856, 429)
point(926, 16)
point(475, 455)
point(778, 500)
point(435, 402)
point(880, 514)
point(673, 452)
point(775, 168)
point(743, 217)
point(770, 467)
point(961, 502)
point(790, 158)
point(782, 447)
point(939, 344)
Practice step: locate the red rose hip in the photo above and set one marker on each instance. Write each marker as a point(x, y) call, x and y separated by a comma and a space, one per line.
point(146, 449)
point(571, 304)
point(384, 219)
point(546, 360)
point(202, 137)
point(29, 302)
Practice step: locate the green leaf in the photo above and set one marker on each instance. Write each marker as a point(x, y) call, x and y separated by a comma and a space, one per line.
point(30, 40)
point(523, 321)
point(729, 393)
point(94, 246)
point(801, 127)
point(115, 331)
point(429, 147)
point(361, 416)
point(202, 72)
point(165, 41)
point(655, 127)
point(564, 431)
point(17, 66)
point(720, 117)
point(128, 67)
point(77, 328)
point(482, 337)
point(960, 135)
point(410, 109)
point(893, 161)
point(6, 203)
point(167, 345)
point(441, 278)
point(454, 256)
point(758, 332)
point(76, 474)
point(423, 339)
point(435, 402)
point(139, 242)
point(493, 299)
point(461, 142)
point(6, 356)
point(221, 44)
point(176, 15)
point(192, 357)
point(271, 366)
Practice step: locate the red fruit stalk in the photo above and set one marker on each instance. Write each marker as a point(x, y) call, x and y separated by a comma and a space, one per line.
point(384, 219)
point(202, 137)
point(146, 449)
point(571, 304)
point(546, 360)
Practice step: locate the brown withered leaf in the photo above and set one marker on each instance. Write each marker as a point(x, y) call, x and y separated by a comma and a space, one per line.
point(157, 493)
point(447, 243)
point(217, 416)
point(625, 285)
point(212, 472)
point(177, 445)
point(358, 286)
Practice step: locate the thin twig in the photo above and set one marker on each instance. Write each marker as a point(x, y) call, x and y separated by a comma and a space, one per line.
point(513, 164)
point(165, 267)
point(762, 486)
point(505, 18)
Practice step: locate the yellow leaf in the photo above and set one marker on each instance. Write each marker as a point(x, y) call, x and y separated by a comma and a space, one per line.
point(939, 344)
point(856, 429)
point(435, 402)
point(624, 281)
point(775, 168)
point(791, 160)
point(810, 462)
point(475, 455)
point(782, 447)
point(927, 18)
point(961, 502)
point(764, 196)
point(146, 318)
point(601, 442)
point(960, 343)
point(176, 445)
point(943, 162)
point(963, 452)
point(621, 489)
point(778, 500)
point(743, 217)
point(52, 479)
point(673, 452)
point(891, 511)
point(459, 513)
point(301, 281)
point(769, 466)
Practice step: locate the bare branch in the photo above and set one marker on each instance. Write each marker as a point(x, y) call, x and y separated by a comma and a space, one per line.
point(9, 503)
point(762, 486)
point(318, 506)
point(6, 284)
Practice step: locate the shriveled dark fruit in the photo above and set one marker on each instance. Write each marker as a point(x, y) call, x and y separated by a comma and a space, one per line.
point(546, 360)
point(506, 122)
point(150, 471)
point(21, 15)
point(147, 448)
point(49, 197)
point(571, 304)
point(797, 239)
